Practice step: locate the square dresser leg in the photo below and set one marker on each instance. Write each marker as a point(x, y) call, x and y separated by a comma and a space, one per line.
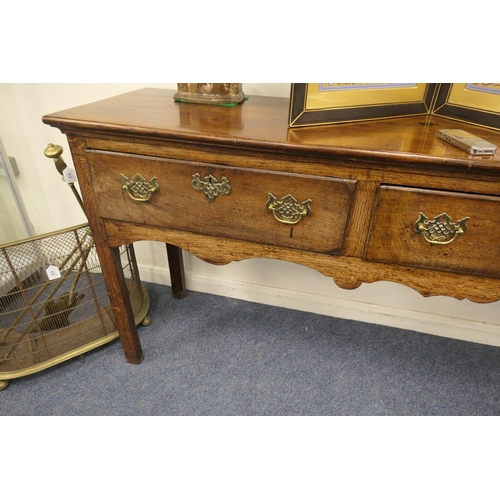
point(176, 266)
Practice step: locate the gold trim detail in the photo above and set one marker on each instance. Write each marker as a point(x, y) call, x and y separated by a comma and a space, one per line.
point(138, 188)
point(210, 186)
point(440, 230)
point(288, 210)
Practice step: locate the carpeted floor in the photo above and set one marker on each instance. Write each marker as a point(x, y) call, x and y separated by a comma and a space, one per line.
point(211, 355)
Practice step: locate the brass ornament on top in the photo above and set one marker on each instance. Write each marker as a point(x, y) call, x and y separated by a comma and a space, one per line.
point(210, 93)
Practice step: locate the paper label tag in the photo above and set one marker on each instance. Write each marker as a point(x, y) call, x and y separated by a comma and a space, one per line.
point(69, 174)
point(53, 272)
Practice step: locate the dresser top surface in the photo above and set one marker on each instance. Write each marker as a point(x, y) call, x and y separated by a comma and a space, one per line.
point(262, 122)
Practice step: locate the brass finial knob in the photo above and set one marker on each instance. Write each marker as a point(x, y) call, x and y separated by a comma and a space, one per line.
point(53, 151)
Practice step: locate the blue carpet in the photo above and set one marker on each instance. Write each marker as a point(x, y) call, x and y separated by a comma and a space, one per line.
point(212, 355)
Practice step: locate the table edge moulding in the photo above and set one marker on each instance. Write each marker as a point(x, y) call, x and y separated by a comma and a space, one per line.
point(382, 200)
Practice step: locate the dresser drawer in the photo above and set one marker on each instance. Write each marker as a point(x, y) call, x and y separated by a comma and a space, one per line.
point(297, 211)
point(436, 230)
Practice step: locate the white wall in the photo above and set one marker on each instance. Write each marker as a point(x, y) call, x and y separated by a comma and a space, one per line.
point(51, 206)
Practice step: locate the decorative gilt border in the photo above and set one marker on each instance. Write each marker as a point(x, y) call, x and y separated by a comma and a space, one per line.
point(470, 103)
point(389, 102)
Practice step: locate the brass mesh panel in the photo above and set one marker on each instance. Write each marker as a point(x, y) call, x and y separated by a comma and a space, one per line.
point(41, 319)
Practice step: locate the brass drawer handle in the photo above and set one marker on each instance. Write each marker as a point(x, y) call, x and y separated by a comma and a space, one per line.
point(210, 186)
point(440, 230)
point(288, 210)
point(138, 188)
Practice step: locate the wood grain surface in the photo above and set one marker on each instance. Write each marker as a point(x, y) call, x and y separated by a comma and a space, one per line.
point(368, 184)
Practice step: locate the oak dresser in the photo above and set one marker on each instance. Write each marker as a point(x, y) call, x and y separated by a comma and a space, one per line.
point(381, 200)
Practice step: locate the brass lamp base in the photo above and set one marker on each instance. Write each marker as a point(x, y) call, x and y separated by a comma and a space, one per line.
point(210, 93)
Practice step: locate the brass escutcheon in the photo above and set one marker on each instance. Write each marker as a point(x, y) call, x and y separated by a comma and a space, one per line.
point(288, 210)
point(210, 186)
point(138, 188)
point(441, 230)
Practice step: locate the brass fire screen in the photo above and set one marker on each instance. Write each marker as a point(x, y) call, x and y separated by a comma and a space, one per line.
point(53, 300)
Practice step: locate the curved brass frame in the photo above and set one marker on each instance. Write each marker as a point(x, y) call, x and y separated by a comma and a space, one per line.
point(142, 317)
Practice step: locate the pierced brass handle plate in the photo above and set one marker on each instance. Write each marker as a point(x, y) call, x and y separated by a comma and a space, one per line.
point(288, 210)
point(441, 230)
point(138, 188)
point(210, 186)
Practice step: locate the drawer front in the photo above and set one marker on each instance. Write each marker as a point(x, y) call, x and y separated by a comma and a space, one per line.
point(296, 211)
point(436, 230)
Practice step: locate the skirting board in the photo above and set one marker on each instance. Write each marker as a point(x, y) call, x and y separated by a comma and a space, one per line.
point(407, 319)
